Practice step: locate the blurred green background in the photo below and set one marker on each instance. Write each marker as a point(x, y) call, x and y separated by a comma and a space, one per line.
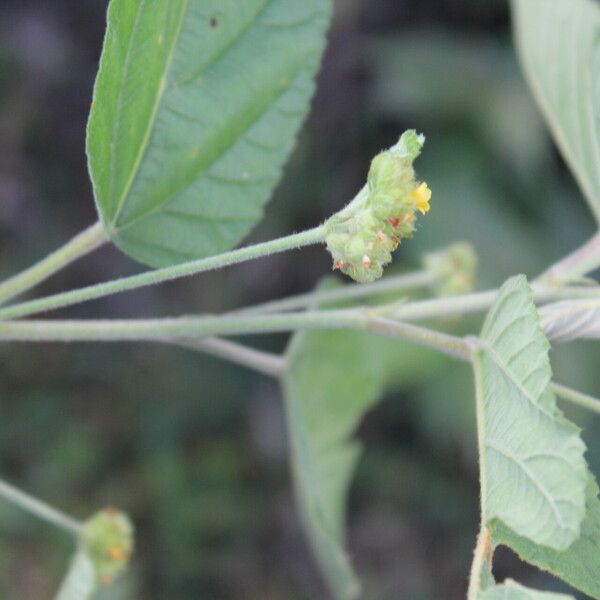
point(195, 449)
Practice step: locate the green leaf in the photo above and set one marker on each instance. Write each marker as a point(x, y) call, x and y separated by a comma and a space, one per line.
point(578, 565)
point(333, 379)
point(559, 46)
point(331, 382)
point(533, 473)
point(80, 580)
point(510, 590)
point(196, 107)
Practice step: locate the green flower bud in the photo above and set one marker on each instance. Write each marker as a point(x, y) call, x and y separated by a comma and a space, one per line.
point(107, 539)
point(453, 267)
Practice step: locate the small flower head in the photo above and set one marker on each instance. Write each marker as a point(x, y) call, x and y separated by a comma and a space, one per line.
point(108, 542)
point(362, 237)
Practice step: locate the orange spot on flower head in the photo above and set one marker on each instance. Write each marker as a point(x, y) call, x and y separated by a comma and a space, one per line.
point(117, 554)
point(422, 196)
point(394, 221)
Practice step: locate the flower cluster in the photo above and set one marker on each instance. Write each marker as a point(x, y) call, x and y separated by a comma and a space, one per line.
point(362, 237)
point(108, 542)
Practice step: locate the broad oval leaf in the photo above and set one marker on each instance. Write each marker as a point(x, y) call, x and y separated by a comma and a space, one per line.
point(80, 581)
point(196, 107)
point(579, 564)
point(571, 319)
point(511, 590)
point(533, 472)
point(559, 46)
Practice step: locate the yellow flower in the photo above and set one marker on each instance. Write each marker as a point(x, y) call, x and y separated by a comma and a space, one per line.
point(422, 196)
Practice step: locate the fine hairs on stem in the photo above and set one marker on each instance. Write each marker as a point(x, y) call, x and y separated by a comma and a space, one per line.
point(39, 509)
point(100, 290)
point(82, 244)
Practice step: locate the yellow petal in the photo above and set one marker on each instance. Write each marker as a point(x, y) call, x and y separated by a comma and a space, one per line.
point(422, 196)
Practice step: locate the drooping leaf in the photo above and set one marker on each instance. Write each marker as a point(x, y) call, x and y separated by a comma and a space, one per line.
point(196, 106)
point(571, 319)
point(533, 473)
point(333, 379)
point(579, 564)
point(80, 581)
point(511, 590)
point(331, 383)
point(559, 46)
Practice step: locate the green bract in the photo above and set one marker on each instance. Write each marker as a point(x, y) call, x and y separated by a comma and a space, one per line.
point(362, 237)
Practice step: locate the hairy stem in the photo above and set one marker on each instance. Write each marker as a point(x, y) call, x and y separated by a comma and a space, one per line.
point(273, 365)
point(91, 238)
point(196, 328)
point(479, 562)
point(297, 240)
point(459, 348)
point(575, 397)
point(160, 330)
point(581, 261)
point(394, 284)
point(39, 509)
point(479, 302)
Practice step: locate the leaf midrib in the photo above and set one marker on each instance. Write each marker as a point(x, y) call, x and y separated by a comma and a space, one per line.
point(499, 362)
point(164, 88)
point(152, 120)
point(536, 482)
point(160, 207)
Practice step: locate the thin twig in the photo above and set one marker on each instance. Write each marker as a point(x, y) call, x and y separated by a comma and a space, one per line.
point(264, 362)
point(575, 397)
point(456, 347)
point(354, 291)
point(100, 290)
point(39, 509)
point(82, 244)
point(578, 263)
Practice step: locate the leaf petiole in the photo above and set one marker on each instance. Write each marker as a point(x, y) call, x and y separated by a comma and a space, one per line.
point(85, 242)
